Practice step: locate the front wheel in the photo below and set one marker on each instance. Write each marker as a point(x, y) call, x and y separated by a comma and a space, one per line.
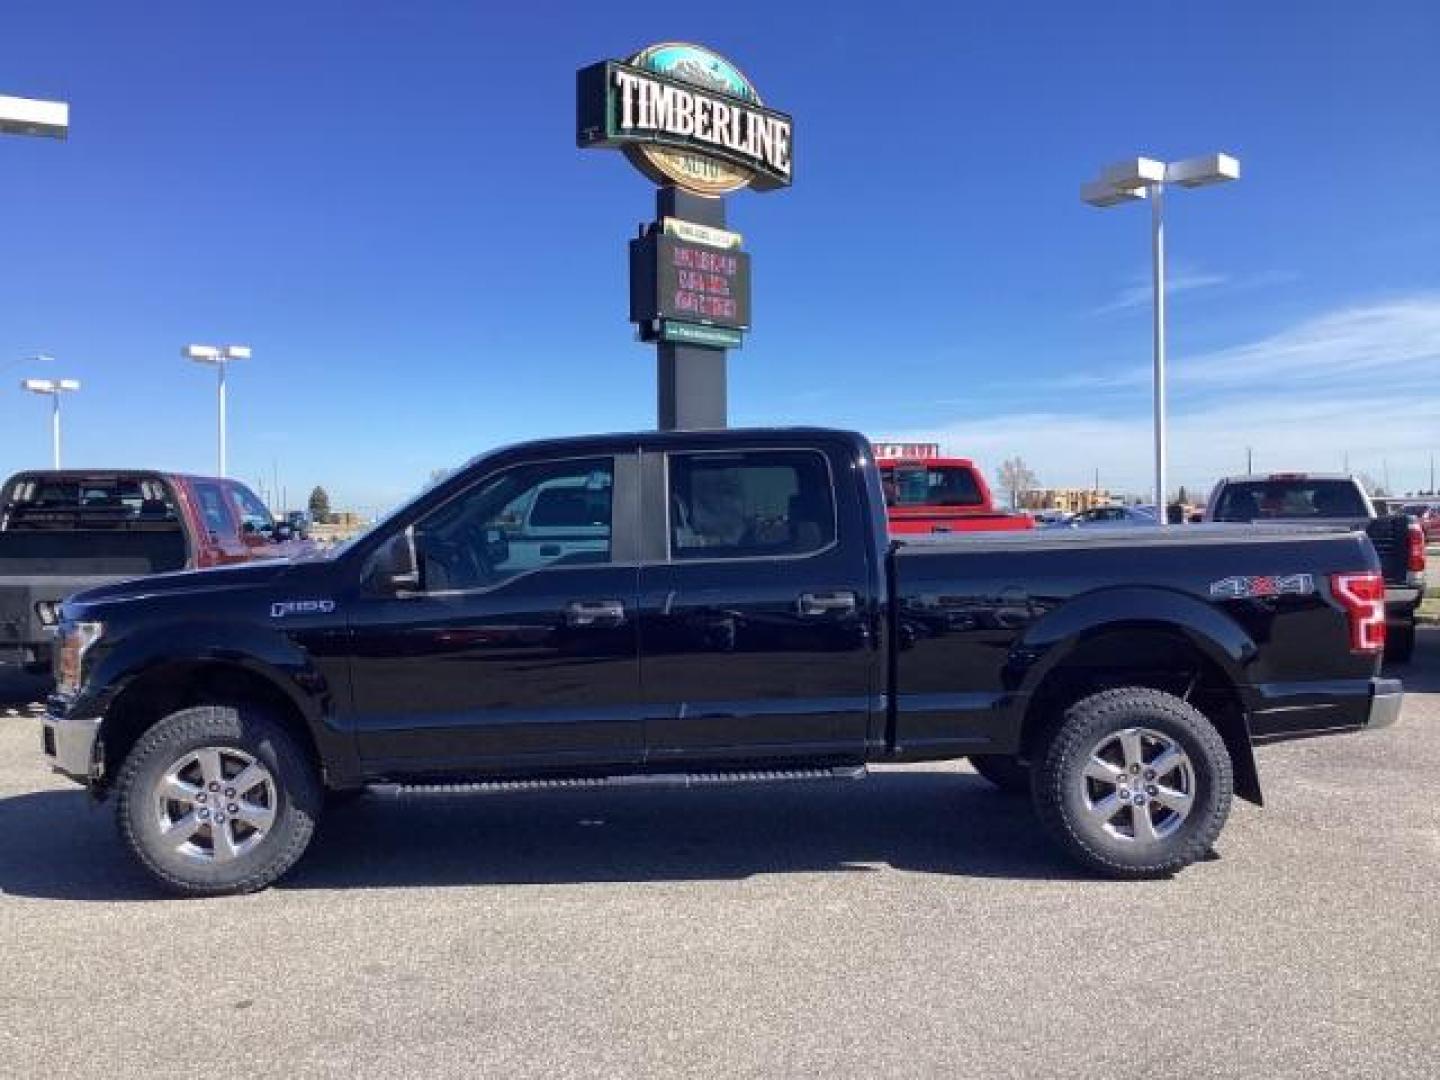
point(1134, 783)
point(216, 800)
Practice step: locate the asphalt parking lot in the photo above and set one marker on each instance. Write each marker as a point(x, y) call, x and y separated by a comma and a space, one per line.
point(911, 924)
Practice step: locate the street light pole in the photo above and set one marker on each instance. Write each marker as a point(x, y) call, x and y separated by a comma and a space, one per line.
point(55, 429)
point(220, 397)
point(1140, 178)
point(220, 357)
point(1157, 260)
point(54, 388)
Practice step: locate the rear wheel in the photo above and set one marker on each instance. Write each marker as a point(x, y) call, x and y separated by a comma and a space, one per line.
point(1134, 783)
point(217, 800)
point(1005, 771)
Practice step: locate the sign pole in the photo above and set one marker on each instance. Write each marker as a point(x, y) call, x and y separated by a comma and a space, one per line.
point(691, 122)
point(691, 379)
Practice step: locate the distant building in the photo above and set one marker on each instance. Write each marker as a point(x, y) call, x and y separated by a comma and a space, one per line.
point(1070, 500)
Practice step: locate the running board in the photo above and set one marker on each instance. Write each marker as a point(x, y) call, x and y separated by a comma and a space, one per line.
point(717, 778)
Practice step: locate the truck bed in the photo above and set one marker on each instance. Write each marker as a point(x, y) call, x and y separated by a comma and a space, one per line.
point(1174, 536)
point(976, 617)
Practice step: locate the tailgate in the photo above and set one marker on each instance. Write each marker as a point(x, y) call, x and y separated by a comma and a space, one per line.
point(904, 521)
point(19, 624)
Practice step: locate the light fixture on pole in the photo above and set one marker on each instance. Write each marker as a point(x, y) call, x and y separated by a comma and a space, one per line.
point(54, 388)
point(1140, 178)
point(30, 116)
point(220, 356)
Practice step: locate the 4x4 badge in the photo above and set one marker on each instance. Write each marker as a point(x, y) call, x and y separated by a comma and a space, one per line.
point(1248, 588)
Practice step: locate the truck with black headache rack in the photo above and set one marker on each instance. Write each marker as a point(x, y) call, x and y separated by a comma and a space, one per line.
point(687, 608)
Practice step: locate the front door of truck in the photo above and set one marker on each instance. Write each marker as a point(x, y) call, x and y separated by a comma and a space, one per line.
point(518, 646)
point(757, 639)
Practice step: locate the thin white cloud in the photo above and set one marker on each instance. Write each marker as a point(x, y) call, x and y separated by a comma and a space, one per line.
point(1139, 294)
point(1395, 337)
point(1182, 280)
point(1378, 432)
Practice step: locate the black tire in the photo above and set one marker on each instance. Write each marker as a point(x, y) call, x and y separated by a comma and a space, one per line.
point(295, 803)
point(1005, 771)
point(1063, 794)
point(1400, 643)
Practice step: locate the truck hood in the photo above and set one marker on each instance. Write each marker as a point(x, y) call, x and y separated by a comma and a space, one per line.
point(242, 576)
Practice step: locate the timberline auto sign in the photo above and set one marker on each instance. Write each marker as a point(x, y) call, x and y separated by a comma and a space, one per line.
point(687, 116)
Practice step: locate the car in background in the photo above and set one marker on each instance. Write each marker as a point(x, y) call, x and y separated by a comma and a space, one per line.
point(1045, 519)
point(299, 522)
point(927, 493)
point(1427, 516)
point(1337, 499)
point(62, 531)
point(1112, 517)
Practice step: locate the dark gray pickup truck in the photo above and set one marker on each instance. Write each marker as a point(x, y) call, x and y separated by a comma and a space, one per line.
point(1337, 499)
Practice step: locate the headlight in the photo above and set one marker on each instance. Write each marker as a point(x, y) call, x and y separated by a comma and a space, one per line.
point(74, 641)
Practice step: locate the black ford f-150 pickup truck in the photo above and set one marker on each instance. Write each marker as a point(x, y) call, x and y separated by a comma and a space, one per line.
point(700, 608)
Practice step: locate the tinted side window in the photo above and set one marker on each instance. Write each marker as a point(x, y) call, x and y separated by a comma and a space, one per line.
point(212, 509)
point(749, 504)
point(554, 513)
point(253, 512)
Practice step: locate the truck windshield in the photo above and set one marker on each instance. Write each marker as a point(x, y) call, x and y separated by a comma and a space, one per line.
point(931, 485)
point(1286, 499)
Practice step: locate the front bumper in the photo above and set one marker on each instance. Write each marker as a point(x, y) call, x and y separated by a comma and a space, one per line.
point(73, 746)
point(1386, 697)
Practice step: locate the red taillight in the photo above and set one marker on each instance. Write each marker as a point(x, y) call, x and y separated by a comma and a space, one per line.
point(1416, 548)
point(1363, 597)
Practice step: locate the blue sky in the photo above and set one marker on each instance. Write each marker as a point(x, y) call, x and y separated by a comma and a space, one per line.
point(385, 201)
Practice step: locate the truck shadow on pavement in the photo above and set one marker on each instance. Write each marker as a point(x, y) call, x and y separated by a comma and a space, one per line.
point(1422, 674)
point(59, 845)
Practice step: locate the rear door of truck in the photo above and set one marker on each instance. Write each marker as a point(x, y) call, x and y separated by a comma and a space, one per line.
point(756, 604)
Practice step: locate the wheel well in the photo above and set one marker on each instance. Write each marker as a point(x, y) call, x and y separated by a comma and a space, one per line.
point(172, 687)
point(1160, 659)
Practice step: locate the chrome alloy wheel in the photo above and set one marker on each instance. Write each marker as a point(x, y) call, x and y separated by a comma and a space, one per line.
point(1139, 783)
point(215, 804)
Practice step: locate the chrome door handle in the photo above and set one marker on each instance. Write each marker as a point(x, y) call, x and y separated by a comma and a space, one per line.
point(839, 602)
point(594, 613)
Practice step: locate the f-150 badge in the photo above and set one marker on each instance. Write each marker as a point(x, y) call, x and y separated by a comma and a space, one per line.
point(1249, 588)
point(281, 608)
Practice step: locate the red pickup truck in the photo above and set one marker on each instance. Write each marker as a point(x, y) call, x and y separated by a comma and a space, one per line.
point(927, 493)
point(65, 531)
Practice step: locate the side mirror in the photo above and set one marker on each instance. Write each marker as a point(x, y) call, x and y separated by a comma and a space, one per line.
point(497, 546)
point(393, 567)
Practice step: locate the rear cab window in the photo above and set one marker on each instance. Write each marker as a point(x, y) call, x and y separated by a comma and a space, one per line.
point(930, 485)
point(1289, 499)
point(72, 503)
point(749, 504)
